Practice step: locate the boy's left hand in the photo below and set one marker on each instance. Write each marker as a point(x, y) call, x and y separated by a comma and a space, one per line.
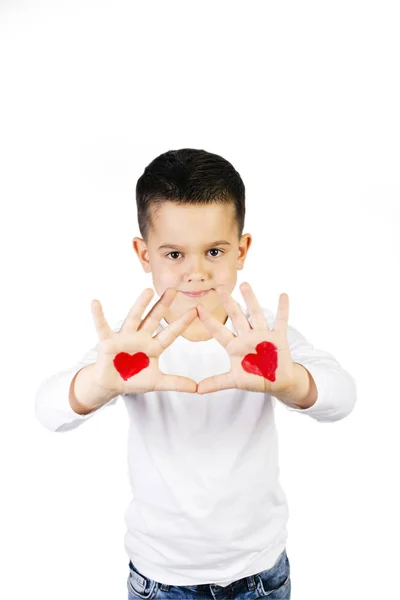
point(268, 369)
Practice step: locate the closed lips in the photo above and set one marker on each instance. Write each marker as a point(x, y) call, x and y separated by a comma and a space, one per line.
point(196, 293)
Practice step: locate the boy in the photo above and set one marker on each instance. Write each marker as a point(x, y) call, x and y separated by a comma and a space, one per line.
point(208, 515)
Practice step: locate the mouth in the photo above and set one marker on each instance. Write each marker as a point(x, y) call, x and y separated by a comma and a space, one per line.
point(196, 294)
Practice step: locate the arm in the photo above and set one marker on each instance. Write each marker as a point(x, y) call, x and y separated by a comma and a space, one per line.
point(83, 395)
point(305, 392)
point(323, 390)
point(61, 400)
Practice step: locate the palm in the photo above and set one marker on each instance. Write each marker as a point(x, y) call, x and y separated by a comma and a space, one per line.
point(146, 380)
point(245, 342)
point(136, 336)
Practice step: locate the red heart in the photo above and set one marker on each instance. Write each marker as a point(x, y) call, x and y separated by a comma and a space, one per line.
point(128, 365)
point(264, 363)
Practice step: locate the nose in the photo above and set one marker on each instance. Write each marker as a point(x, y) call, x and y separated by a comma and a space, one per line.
point(196, 271)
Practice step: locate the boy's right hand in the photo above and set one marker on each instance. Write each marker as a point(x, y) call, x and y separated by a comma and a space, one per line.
point(135, 336)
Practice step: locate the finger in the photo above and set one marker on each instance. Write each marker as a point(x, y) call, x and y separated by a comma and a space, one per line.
point(258, 319)
point(215, 327)
point(102, 327)
point(176, 383)
point(225, 381)
point(134, 316)
point(282, 315)
point(159, 310)
point(234, 311)
point(169, 334)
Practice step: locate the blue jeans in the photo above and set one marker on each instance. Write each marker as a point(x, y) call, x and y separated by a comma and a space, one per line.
point(273, 583)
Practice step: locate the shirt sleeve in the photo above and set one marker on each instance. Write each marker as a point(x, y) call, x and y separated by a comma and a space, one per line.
point(52, 406)
point(336, 388)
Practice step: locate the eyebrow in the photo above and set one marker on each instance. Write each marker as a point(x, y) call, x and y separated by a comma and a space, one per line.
point(217, 243)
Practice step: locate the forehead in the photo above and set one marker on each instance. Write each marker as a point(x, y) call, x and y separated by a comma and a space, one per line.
point(188, 222)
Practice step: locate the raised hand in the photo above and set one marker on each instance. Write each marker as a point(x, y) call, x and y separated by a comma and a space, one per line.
point(260, 357)
point(127, 360)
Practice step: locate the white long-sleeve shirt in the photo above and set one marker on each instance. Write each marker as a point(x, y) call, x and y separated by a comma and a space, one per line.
point(207, 505)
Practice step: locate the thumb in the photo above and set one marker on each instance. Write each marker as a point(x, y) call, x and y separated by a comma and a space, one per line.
point(176, 383)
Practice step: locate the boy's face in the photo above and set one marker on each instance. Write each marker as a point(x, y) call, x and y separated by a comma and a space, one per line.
point(193, 248)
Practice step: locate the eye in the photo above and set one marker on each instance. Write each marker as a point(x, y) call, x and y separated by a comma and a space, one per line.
point(170, 254)
point(217, 250)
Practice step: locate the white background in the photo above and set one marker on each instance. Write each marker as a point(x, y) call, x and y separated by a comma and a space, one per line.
point(303, 99)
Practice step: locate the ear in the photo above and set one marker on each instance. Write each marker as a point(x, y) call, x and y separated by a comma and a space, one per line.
point(139, 246)
point(244, 245)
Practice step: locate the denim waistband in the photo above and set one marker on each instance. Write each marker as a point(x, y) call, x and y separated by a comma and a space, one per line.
point(246, 583)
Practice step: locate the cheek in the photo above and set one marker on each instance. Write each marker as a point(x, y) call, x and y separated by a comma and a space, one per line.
point(226, 274)
point(166, 276)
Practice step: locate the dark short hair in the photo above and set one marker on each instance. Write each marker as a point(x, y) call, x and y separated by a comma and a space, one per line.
point(188, 176)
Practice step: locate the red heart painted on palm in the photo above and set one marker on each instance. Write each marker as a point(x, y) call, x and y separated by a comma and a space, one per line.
point(128, 365)
point(264, 363)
